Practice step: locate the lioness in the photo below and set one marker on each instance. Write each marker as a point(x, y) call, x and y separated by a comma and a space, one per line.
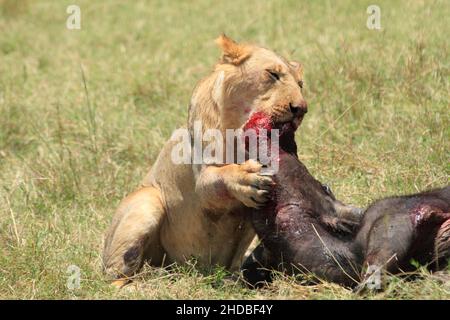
point(183, 211)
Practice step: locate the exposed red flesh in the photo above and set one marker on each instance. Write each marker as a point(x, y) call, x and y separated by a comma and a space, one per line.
point(258, 121)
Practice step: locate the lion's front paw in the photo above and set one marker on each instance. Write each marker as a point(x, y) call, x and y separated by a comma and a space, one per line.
point(248, 185)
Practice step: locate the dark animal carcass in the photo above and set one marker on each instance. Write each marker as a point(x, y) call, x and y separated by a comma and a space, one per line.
point(303, 228)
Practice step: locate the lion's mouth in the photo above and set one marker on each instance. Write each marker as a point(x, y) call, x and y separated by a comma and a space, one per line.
point(286, 126)
point(261, 121)
point(264, 126)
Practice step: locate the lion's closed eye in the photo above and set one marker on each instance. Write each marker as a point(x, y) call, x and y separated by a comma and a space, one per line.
point(274, 75)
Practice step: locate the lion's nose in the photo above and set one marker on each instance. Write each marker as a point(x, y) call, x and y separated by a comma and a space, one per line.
point(300, 109)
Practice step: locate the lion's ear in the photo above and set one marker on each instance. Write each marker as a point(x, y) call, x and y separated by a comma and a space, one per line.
point(233, 52)
point(298, 67)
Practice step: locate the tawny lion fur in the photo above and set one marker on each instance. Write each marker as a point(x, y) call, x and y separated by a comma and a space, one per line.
point(184, 211)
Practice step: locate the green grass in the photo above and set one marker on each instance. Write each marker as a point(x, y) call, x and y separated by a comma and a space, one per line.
point(378, 123)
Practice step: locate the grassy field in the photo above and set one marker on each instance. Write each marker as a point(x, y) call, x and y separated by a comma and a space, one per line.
point(70, 149)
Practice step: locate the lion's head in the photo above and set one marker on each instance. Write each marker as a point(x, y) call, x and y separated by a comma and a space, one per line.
point(246, 80)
